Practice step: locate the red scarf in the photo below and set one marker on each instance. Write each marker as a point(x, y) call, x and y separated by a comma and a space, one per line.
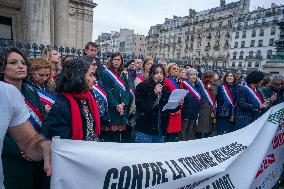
point(77, 129)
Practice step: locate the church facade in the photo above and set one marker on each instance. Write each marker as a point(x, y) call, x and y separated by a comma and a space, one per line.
point(67, 23)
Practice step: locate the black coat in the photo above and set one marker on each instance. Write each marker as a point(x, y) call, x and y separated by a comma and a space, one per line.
point(190, 107)
point(148, 114)
point(224, 109)
point(59, 119)
point(247, 110)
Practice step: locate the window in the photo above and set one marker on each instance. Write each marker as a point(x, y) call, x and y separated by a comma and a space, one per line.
point(253, 33)
point(237, 35)
point(218, 34)
point(263, 20)
point(233, 64)
point(269, 54)
point(246, 25)
point(256, 64)
point(240, 64)
point(243, 44)
point(226, 44)
point(6, 28)
point(260, 43)
point(236, 45)
point(271, 42)
point(250, 54)
point(252, 43)
point(241, 55)
point(244, 34)
point(261, 33)
point(229, 23)
point(209, 36)
point(249, 64)
point(255, 22)
point(273, 30)
point(235, 55)
point(220, 24)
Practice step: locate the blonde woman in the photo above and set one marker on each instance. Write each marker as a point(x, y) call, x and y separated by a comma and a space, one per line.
point(172, 82)
point(54, 57)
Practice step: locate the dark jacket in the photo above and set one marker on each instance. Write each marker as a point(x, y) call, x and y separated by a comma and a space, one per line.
point(190, 107)
point(116, 96)
point(148, 113)
point(59, 119)
point(224, 109)
point(247, 110)
point(269, 91)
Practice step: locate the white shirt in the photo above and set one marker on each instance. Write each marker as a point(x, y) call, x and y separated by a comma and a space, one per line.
point(13, 112)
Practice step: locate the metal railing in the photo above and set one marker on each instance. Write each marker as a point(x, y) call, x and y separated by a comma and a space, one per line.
point(35, 50)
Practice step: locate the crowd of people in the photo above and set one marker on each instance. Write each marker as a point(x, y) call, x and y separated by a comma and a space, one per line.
point(79, 98)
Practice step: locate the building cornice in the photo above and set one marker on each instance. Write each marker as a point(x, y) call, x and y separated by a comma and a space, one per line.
point(87, 3)
point(10, 6)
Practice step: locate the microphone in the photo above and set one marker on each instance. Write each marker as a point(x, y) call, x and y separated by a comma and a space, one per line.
point(159, 81)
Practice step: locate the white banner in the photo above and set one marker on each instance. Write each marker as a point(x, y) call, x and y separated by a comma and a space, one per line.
point(251, 157)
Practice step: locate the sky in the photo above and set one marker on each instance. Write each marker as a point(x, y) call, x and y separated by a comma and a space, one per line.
point(111, 15)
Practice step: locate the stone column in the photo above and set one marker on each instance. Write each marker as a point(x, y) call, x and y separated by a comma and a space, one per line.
point(61, 22)
point(36, 21)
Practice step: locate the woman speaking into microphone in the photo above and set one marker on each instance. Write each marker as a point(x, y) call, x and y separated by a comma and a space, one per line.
point(150, 97)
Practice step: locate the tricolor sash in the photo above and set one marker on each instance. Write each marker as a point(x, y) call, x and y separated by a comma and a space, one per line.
point(44, 96)
point(171, 83)
point(140, 77)
point(100, 92)
point(36, 117)
point(254, 94)
point(227, 94)
point(208, 96)
point(132, 91)
point(228, 97)
point(192, 89)
point(115, 78)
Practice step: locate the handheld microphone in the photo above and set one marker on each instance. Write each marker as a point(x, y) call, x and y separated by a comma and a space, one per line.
point(159, 81)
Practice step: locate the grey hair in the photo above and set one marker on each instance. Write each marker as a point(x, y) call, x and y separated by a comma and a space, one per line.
point(276, 77)
point(191, 71)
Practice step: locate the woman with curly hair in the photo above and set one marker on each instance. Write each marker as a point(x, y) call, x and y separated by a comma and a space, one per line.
point(39, 77)
point(75, 114)
point(54, 57)
point(250, 103)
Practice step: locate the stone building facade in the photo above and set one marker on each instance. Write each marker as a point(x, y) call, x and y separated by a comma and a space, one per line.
point(50, 22)
point(139, 45)
point(253, 37)
point(201, 37)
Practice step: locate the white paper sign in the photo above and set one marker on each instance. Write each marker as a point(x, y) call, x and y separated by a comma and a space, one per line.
point(176, 96)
